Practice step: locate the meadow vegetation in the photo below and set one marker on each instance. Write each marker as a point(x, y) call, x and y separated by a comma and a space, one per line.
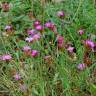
point(47, 48)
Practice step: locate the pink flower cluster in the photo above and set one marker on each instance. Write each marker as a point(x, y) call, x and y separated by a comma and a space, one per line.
point(32, 38)
point(27, 49)
point(50, 25)
point(37, 25)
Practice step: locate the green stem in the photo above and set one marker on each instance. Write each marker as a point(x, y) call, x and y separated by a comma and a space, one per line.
point(78, 9)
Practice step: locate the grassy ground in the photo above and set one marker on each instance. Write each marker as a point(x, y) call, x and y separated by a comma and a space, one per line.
point(58, 76)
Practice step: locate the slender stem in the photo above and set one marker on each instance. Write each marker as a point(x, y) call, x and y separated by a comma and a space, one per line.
point(77, 11)
point(94, 2)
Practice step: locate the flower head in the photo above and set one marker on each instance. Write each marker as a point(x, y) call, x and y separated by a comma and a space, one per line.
point(17, 76)
point(6, 57)
point(8, 27)
point(89, 43)
point(34, 53)
point(31, 32)
point(37, 36)
point(29, 39)
point(81, 32)
point(70, 49)
point(60, 41)
point(50, 25)
point(60, 14)
point(26, 48)
point(81, 66)
point(39, 27)
point(36, 23)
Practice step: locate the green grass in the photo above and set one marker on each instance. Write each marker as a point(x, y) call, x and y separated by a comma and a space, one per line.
point(61, 77)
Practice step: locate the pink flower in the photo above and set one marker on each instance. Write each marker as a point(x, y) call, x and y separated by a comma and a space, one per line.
point(29, 39)
point(60, 14)
point(6, 57)
point(8, 27)
point(81, 66)
point(60, 41)
point(81, 32)
point(34, 53)
point(50, 25)
point(37, 36)
point(70, 49)
point(39, 27)
point(26, 48)
point(90, 43)
point(31, 32)
point(17, 76)
point(36, 23)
